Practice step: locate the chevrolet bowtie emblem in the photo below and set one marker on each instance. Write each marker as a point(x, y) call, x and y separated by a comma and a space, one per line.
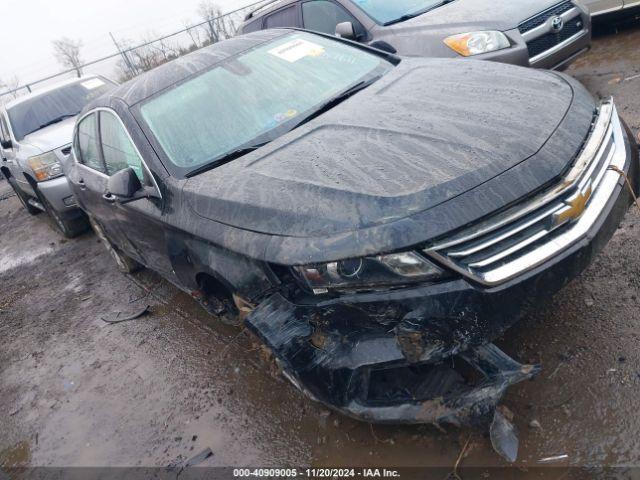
point(575, 207)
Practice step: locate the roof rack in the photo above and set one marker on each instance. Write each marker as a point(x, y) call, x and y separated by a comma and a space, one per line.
point(260, 8)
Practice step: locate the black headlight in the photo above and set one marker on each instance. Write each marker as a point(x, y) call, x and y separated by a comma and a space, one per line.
point(385, 270)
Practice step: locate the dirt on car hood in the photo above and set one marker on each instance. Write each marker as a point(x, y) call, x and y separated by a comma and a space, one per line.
point(424, 134)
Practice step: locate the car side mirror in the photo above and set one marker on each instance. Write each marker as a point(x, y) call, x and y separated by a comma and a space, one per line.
point(6, 144)
point(124, 184)
point(125, 187)
point(346, 30)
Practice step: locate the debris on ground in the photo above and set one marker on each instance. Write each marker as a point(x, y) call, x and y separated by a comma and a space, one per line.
point(555, 458)
point(134, 316)
point(535, 424)
point(504, 437)
point(454, 473)
point(180, 465)
point(199, 458)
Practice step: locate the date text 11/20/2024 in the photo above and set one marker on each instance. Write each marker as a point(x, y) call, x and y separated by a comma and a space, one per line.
point(316, 473)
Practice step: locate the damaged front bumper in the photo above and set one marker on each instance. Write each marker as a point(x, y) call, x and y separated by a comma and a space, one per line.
point(423, 354)
point(367, 375)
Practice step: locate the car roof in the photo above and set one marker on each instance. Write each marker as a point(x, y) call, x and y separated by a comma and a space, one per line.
point(48, 89)
point(180, 69)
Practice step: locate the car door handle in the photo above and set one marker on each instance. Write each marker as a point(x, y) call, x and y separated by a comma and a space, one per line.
point(107, 197)
point(82, 185)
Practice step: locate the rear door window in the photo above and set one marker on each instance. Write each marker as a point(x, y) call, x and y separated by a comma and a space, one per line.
point(88, 143)
point(287, 17)
point(253, 26)
point(117, 148)
point(324, 15)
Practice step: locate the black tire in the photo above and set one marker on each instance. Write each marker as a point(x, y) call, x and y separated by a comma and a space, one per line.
point(125, 263)
point(24, 198)
point(70, 227)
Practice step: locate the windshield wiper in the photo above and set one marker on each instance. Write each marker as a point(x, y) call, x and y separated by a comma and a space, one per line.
point(226, 158)
point(335, 101)
point(317, 112)
point(53, 121)
point(409, 16)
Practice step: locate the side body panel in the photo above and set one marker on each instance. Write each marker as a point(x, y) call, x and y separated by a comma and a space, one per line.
point(600, 7)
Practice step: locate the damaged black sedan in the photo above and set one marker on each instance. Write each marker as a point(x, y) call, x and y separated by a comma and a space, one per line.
point(376, 221)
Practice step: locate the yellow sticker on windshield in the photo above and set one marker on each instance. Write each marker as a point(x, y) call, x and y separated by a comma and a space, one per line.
point(296, 50)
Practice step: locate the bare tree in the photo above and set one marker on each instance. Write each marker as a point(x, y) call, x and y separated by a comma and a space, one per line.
point(194, 33)
point(67, 52)
point(155, 51)
point(152, 53)
point(126, 67)
point(11, 85)
point(217, 26)
point(168, 52)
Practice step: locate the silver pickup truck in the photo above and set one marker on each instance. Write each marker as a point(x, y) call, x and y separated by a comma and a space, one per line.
point(35, 136)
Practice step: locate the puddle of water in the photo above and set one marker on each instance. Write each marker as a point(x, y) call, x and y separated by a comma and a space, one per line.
point(16, 457)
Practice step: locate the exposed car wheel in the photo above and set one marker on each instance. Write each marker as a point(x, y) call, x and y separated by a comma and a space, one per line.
point(218, 302)
point(24, 199)
point(222, 310)
point(125, 263)
point(69, 227)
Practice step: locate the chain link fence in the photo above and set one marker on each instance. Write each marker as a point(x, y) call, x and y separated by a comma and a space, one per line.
point(133, 58)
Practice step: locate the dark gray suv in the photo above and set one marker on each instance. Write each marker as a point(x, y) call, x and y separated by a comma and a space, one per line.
point(536, 33)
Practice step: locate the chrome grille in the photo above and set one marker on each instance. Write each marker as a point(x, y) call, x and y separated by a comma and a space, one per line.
point(525, 236)
point(543, 38)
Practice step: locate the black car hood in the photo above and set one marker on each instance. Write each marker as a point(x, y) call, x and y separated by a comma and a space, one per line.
point(424, 134)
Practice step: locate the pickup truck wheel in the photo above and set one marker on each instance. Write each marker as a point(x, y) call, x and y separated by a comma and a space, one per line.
point(69, 227)
point(23, 198)
point(125, 263)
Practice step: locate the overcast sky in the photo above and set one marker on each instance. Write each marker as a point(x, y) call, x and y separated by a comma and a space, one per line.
point(27, 28)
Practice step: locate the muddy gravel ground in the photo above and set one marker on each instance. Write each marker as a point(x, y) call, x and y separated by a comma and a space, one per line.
point(77, 391)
